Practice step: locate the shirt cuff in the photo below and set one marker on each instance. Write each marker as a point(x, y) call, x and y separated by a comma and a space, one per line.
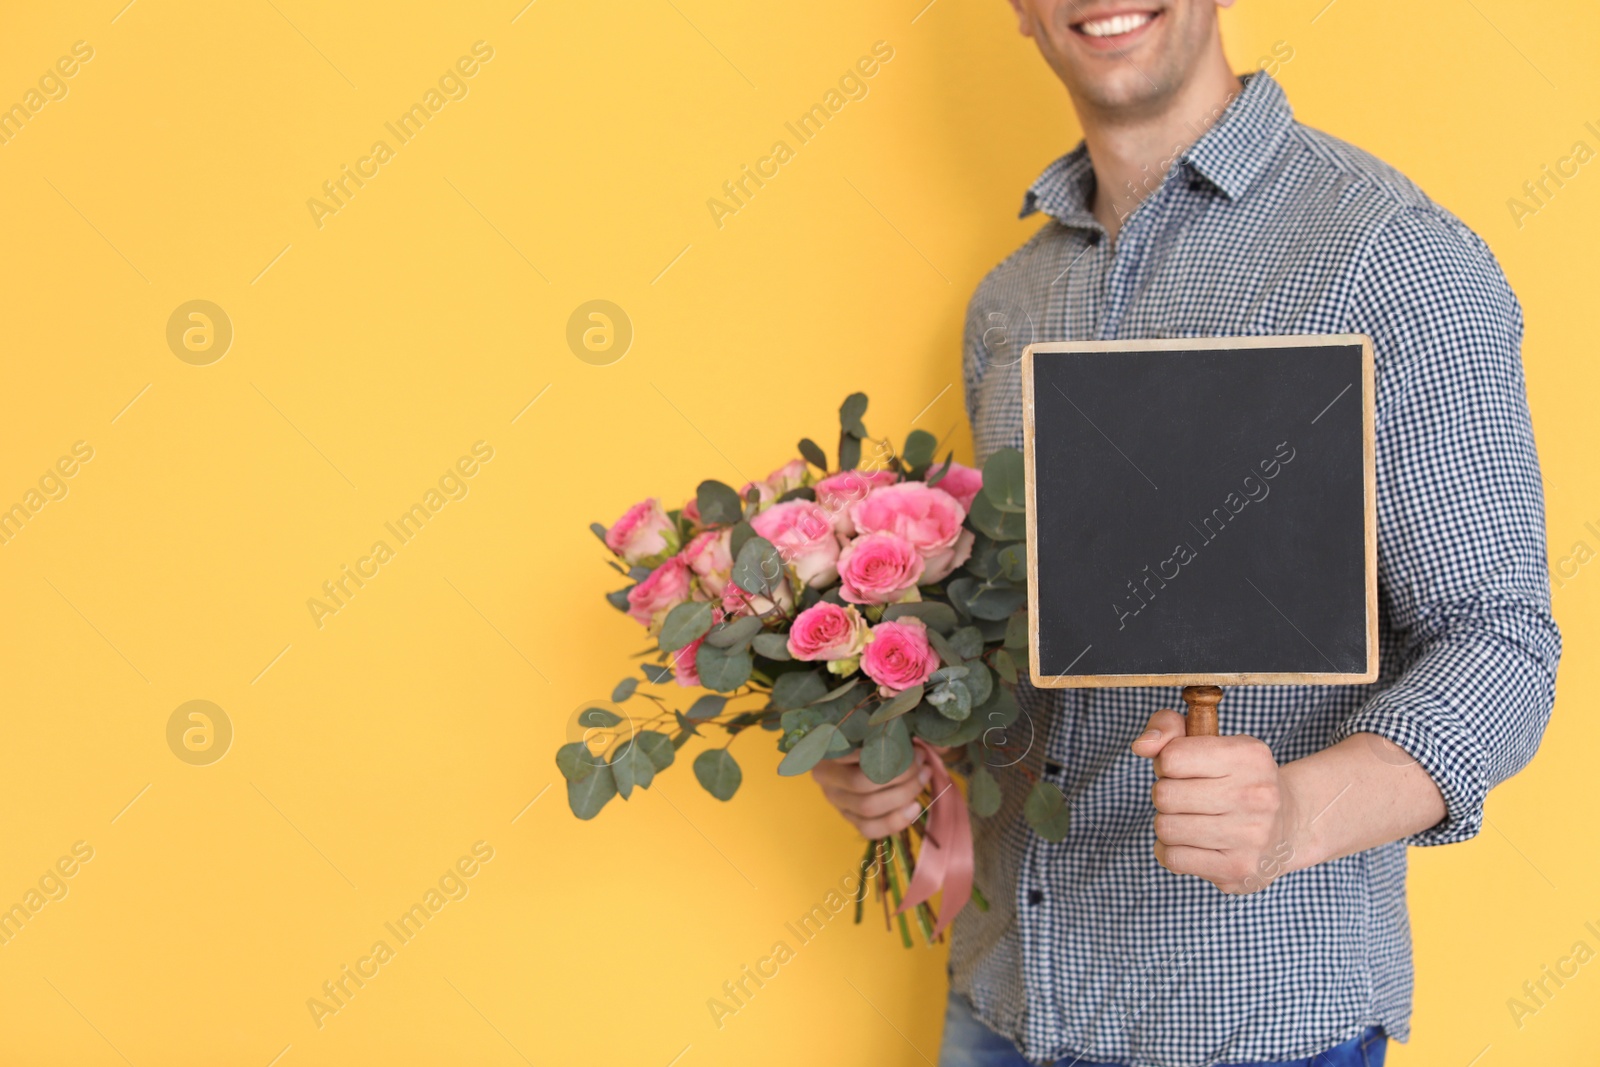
point(1432, 734)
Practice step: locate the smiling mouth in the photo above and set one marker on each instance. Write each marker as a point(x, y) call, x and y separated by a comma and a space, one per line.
point(1113, 28)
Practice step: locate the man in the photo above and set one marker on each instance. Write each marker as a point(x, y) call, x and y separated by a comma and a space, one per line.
point(1198, 207)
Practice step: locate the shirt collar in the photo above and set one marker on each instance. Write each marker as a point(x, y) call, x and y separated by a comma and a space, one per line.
point(1230, 155)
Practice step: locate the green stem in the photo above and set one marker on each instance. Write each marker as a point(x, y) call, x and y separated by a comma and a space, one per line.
point(861, 893)
point(924, 912)
point(894, 891)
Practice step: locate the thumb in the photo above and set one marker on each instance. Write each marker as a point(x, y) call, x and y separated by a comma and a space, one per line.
point(1163, 726)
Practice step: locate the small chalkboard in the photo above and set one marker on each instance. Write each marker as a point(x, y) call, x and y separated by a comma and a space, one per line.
point(1201, 511)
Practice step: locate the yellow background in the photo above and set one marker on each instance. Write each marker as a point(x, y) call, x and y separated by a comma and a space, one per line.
point(370, 753)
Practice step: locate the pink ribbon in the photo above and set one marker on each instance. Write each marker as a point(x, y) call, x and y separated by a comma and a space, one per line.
point(946, 859)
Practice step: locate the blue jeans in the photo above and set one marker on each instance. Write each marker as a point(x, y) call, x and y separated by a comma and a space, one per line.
point(969, 1043)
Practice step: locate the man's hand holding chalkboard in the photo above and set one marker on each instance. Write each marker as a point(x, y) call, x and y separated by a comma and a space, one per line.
point(1224, 811)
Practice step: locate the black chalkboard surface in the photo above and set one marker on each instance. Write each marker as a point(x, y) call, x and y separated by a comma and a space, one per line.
point(1201, 511)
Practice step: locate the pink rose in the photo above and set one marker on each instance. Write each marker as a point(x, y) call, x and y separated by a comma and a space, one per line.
point(665, 588)
point(803, 536)
point(684, 670)
point(792, 475)
point(736, 601)
point(827, 631)
point(963, 483)
point(643, 533)
point(837, 493)
point(898, 656)
point(879, 568)
point(709, 558)
point(691, 515)
point(929, 518)
point(938, 566)
point(764, 493)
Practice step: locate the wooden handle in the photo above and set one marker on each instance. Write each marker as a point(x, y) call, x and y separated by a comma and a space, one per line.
point(1202, 717)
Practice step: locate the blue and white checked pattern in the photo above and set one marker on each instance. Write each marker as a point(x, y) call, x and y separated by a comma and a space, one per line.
point(1265, 226)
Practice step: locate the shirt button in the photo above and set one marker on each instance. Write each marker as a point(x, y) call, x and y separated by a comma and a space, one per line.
point(1196, 185)
point(1053, 769)
point(1035, 896)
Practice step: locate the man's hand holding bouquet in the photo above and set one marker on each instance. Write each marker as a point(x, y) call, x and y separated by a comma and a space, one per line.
point(864, 613)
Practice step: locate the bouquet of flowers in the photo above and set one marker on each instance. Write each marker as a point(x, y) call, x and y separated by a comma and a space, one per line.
point(855, 608)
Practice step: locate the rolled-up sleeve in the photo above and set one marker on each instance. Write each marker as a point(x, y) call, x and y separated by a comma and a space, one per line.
point(1461, 529)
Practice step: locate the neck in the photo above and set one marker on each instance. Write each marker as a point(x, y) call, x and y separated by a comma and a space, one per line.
point(1132, 152)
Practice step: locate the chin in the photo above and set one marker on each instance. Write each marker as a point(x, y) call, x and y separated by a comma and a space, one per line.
point(1126, 54)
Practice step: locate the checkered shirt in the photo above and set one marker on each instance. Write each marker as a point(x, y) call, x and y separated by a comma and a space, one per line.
point(1263, 226)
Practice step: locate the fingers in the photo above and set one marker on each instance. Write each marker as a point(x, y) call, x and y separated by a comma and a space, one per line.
point(875, 810)
point(1213, 757)
point(1164, 726)
point(1200, 862)
point(1197, 831)
point(845, 773)
point(1192, 796)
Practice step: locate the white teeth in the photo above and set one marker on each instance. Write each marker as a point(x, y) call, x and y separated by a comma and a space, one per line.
point(1115, 26)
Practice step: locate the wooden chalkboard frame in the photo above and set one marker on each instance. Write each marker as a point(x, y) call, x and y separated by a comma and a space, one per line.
point(1370, 484)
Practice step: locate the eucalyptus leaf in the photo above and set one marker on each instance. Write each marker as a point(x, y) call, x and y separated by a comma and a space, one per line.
point(683, 625)
point(736, 633)
point(953, 699)
point(813, 454)
point(934, 614)
point(897, 705)
point(723, 669)
point(985, 559)
point(968, 642)
point(998, 603)
point(849, 452)
point(741, 532)
point(1014, 562)
point(1000, 525)
point(999, 711)
point(624, 689)
point(941, 645)
point(1046, 811)
point(575, 761)
point(599, 531)
point(598, 717)
point(631, 767)
point(758, 568)
point(796, 689)
point(619, 598)
point(1004, 481)
point(804, 492)
point(656, 672)
point(808, 751)
point(1017, 630)
point(772, 646)
point(657, 748)
point(850, 412)
point(937, 476)
point(920, 445)
point(886, 753)
point(589, 794)
point(853, 728)
point(718, 772)
point(929, 725)
point(838, 691)
point(979, 682)
point(707, 707)
point(1005, 665)
point(719, 504)
point(983, 792)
